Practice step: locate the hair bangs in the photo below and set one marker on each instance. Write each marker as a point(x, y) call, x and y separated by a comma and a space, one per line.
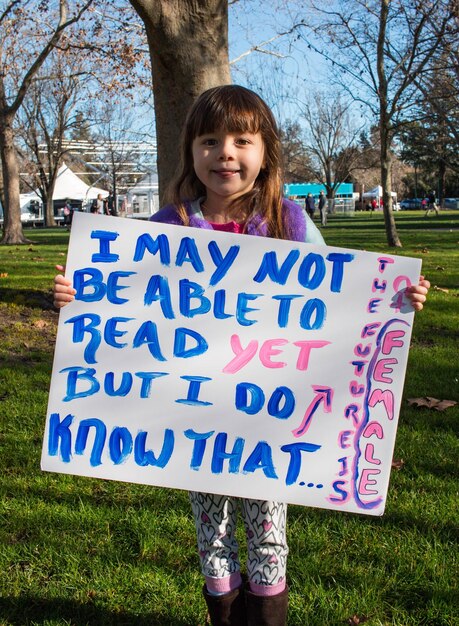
point(229, 111)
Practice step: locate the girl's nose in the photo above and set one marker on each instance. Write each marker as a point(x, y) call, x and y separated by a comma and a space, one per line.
point(226, 150)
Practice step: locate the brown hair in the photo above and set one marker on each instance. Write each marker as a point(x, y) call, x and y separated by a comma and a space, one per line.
point(234, 109)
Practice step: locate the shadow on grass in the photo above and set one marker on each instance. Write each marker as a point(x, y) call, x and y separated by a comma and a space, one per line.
point(406, 223)
point(27, 297)
point(136, 497)
point(392, 521)
point(48, 237)
point(444, 531)
point(420, 600)
point(25, 609)
point(23, 364)
point(431, 336)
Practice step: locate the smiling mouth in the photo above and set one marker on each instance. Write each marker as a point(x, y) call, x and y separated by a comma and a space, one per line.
point(226, 173)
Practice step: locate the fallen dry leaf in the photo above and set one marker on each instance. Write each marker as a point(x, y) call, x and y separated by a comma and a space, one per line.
point(419, 402)
point(40, 324)
point(397, 464)
point(4, 275)
point(436, 288)
point(432, 403)
point(444, 404)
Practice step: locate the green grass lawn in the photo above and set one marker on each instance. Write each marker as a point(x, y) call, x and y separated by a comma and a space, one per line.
point(82, 551)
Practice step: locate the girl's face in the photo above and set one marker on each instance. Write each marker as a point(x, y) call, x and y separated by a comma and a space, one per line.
point(227, 164)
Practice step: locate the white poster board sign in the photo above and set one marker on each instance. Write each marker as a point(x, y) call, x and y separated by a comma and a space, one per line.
point(229, 364)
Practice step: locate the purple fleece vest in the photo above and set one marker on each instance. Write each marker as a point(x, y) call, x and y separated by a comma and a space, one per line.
point(293, 215)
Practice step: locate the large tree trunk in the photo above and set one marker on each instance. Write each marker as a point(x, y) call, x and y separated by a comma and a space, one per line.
point(12, 225)
point(330, 188)
point(384, 131)
point(188, 42)
point(48, 185)
point(2, 191)
point(386, 184)
point(48, 215)
point(441, 182)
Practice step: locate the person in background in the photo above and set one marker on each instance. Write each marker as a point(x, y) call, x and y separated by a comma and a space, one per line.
point(310, 205)
point(431, 204)
point(68, 214)
point(111, 204)
point(99, 204)
point(230, 180)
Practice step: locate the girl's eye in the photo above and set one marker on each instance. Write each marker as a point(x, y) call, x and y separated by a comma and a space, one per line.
point(242, 141)
point(209, 142)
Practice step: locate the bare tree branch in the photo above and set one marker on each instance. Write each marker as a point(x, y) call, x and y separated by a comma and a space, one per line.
point(41, 57)
point(8, 10)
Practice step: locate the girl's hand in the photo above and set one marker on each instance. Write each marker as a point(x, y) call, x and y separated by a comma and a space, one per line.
point(417, 294)
point(63, 291)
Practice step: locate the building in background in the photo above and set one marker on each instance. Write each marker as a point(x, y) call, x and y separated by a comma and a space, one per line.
point(344, 201)
point(142, 200)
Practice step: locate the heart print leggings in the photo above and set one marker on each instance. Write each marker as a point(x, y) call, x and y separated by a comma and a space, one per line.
point(265, 528)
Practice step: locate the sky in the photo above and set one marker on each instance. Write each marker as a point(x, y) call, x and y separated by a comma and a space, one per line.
point(287, 71)
point(284, 73)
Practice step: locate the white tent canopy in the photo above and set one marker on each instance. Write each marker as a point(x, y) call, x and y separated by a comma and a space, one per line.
point(69, 185)
point(376, 193)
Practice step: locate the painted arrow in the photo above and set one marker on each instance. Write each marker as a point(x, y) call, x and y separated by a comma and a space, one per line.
point(323, 394)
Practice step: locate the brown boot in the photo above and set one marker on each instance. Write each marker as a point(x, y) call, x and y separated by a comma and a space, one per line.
point(228, 609)
point(267, 610)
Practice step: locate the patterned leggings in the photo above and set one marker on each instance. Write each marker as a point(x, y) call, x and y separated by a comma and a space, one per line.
point(265, 526)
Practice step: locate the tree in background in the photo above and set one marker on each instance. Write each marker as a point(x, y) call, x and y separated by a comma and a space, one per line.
point(42, 26)
point(332, 141)
point(122, 154)
point(439, 87)
point(430, 141)
point(383, 49)
point(81, 128)
point(432, 151)
point(44, 119)
point(188, 43)
point(366, 173)
point(98, 38)
point(297, 160)
point(439, 117)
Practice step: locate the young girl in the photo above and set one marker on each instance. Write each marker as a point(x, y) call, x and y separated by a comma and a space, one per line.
point(230, 179)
